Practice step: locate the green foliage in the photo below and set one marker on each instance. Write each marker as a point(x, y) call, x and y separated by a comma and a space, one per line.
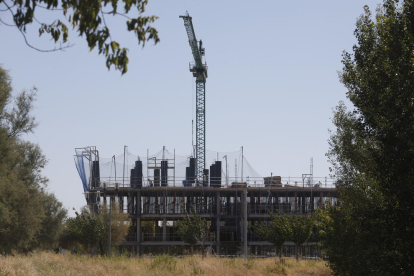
point(192, 229)
point(372, 150)
point(283, 228)
point(277, 231)
point(29, 216)
point(52, 224)
point(21, 216)
point(88, 232)
point(300, 229)
point(88, 19)
point(120, 223)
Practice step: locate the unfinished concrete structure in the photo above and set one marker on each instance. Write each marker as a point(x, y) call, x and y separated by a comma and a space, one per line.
point(156, 198)
point(157, 191)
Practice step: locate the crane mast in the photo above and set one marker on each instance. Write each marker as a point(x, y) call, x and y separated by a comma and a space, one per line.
point(199, 71)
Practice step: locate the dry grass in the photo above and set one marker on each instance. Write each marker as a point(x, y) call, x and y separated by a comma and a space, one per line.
point(47, 263)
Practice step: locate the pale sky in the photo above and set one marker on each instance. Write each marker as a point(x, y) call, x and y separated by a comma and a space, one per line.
point(271, 88)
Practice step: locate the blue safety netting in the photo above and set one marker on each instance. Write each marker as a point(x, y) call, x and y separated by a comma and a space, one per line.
point(80, 166)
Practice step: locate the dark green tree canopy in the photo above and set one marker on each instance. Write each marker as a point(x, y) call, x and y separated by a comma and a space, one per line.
point(30, 217)
point(277, 231)
point(192, 229)
point(88, 231)
point(85, 232)
point(282, 228)
point(300, 228)
point(87, 18)
point(372, 149)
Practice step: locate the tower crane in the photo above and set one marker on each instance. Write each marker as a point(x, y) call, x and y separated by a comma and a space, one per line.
point(199, 70)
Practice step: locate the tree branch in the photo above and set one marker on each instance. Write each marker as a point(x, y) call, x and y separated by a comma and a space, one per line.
point(117, 13)
point(52, 9)
point(9, 25)
point(27, 42)
point(103, 19)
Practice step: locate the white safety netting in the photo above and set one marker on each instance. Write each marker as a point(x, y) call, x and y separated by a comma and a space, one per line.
point(117, 169)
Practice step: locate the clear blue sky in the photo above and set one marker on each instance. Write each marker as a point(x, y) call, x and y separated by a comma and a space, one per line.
point(271, 88)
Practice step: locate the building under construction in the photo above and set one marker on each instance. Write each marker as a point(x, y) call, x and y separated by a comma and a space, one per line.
point(158, 190)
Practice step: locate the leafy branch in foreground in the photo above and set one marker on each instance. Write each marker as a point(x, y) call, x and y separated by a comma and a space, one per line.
point(88, 18)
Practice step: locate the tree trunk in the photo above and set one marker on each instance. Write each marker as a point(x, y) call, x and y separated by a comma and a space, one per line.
point(280, 254)
point(297, 252)
point(101, 249)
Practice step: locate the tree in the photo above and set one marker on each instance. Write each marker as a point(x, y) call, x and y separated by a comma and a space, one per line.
point(300, 230)
point(120, 223)
point(25, 217)
point(192, 230)
point(84, 233)
point(354, 231)
point(52, 224)
point(88, 18)
point(21, 216)
point(88, 232)
point(372, 150)
point(276, 231)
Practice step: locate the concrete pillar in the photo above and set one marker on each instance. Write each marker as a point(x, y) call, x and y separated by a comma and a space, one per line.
point(296, 202)
point(121, 202)
point(245, 224)
point(164, 233)
point(164, 203)
point(311, 202)
point(138, 204)
point(138, 214)
point(138, 235)
point(164, 229)
point(218, 223)
point(320, 199)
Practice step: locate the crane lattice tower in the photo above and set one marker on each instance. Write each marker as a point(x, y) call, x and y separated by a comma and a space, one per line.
point(199, 70)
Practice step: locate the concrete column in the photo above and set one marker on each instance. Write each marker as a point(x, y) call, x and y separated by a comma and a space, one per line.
point(311, 202)
point(320, 199)
point(218, 214)
point(245, 224)
point(296, 202)
point(138, 234)
point(164, 203)
point(164, 233)
point(138, 204)
point(121, 202)
point(164, 229)
point(138, 214)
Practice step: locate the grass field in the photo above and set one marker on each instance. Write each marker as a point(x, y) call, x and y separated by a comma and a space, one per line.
point(48, 263)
